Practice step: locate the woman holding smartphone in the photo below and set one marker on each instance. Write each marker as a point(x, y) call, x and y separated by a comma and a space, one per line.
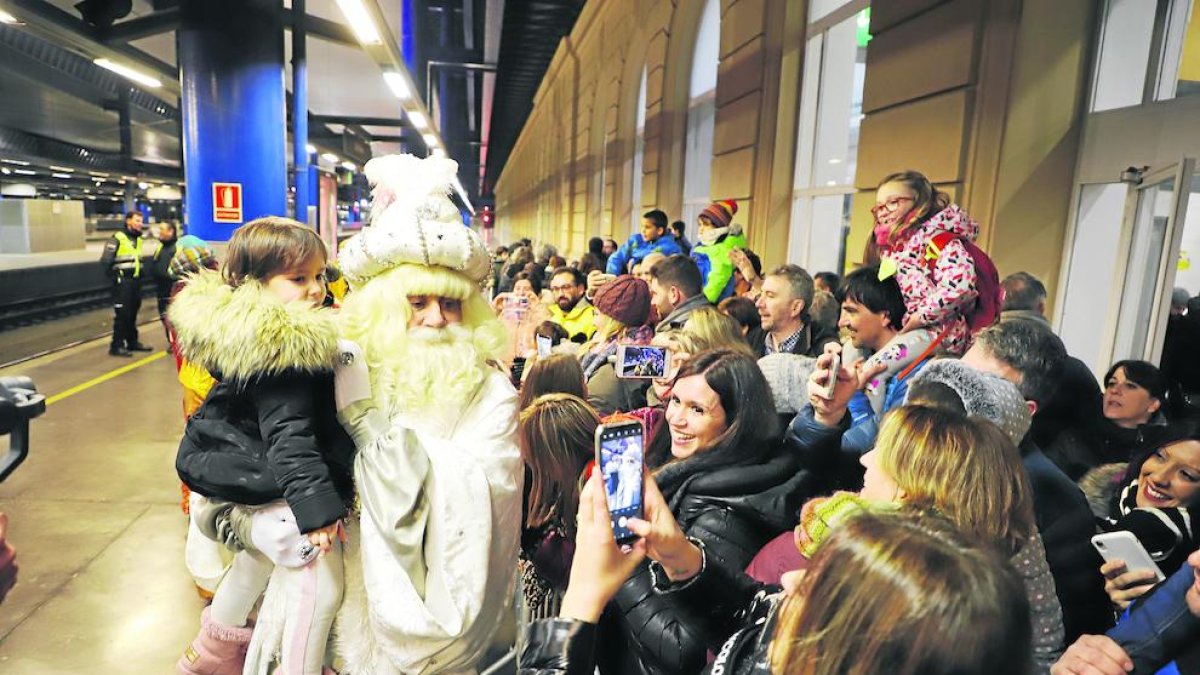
point(732, 487)
point(1156, 497)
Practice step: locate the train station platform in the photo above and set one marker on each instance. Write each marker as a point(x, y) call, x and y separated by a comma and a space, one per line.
point(95, 518)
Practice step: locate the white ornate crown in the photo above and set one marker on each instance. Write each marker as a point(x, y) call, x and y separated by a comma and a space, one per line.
point(413, 221)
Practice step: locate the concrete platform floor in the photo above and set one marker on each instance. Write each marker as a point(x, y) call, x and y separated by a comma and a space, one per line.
point(95, 519)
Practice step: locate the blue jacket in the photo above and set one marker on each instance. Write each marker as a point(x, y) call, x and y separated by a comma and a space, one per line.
point(637, 248)
point(1159, 626)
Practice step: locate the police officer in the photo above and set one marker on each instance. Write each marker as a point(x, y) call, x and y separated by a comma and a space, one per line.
point(122, 260)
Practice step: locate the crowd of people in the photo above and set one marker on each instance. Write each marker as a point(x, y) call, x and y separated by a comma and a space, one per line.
point(897, 470)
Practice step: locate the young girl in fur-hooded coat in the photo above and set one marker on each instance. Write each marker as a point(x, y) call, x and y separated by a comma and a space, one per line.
point(265, 448)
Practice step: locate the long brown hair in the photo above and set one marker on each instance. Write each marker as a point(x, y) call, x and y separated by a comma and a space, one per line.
point(266, 246)
point(967, 469)
point(557, 373)
point(927, 201)
point(556, 436)
point(903, 593)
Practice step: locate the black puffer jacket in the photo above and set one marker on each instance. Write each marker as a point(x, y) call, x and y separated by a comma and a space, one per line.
point(734, 510)
point(268, 429)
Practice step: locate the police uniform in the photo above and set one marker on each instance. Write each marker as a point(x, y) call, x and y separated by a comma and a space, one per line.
point(122, 261)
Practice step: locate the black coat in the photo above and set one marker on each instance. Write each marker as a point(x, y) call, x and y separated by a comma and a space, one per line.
point(272, 438)
point(734, 510)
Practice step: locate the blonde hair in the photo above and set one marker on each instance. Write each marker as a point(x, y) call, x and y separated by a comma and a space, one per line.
point(966, 469)
point(903, 593)
point(376, 316)
point(556, 435)
point(710, 328)
point(265, 246)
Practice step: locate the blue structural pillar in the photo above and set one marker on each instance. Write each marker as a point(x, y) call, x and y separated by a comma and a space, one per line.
point(300, 110)
point(230, 55)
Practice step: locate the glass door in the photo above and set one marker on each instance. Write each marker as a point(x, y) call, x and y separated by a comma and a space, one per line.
point(1150, 268)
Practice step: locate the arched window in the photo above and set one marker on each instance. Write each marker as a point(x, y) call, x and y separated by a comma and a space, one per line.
point(639, 156)
point(702, 111)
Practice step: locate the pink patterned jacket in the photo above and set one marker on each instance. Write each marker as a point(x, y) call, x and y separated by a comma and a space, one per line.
point(939, 291)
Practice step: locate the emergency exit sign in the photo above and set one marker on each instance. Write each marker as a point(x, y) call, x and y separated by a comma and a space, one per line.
point(227, 203)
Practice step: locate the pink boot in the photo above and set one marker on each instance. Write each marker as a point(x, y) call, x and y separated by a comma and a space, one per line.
point(217, 650)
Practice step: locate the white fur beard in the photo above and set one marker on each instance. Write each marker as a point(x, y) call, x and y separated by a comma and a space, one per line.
point(439, 369)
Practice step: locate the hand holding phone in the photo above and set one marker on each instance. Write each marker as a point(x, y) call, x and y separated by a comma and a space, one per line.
point(826, 390)
point(1123, 545)
point(620, 462)
point(545, 346)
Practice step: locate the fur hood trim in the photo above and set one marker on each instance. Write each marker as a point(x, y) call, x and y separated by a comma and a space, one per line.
point(1102, 487)
point(247, 332)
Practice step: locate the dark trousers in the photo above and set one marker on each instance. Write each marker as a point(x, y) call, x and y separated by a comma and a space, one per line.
point(127, 300)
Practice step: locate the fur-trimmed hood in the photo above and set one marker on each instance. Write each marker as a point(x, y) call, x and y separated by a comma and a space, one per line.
point(1102, 486)
point(247, 332)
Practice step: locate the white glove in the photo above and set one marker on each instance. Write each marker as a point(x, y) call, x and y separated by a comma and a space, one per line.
point(351, 381)
point(273, 532)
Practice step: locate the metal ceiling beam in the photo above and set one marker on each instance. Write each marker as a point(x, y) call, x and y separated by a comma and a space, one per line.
point(362, 121)
point(142, 27)
point(330, 31)
point(17, 144)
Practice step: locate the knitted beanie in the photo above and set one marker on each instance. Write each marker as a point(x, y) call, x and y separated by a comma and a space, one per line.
point(626, 299)
point(993, 398)
point(787, 375)
point(720, 213)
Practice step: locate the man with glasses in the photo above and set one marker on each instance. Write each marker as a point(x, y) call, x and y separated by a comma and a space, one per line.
point(571, 310)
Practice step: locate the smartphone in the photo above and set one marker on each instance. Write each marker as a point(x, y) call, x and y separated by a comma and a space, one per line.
point(1123, 545)
point(826, 390)
point(620, 458)
point(544, 346)
point(642, 361)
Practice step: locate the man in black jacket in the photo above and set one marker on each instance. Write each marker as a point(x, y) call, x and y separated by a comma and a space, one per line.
point(1031, 357)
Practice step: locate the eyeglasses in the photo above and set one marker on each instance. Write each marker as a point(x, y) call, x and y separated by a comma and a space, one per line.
point(890, 205)
point(562, 289)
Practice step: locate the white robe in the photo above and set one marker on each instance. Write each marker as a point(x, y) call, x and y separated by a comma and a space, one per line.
point(431, 560)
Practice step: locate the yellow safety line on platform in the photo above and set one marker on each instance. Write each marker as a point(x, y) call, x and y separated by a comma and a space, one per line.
point(104, 378)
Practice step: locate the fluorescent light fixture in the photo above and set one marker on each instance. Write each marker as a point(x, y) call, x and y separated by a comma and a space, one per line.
point(25, 172)
point(143, 186)
point(398, 84)
point(18, 162)
point(310, 148)
point(431, 141)
point(57, 174)
point(418, 119)
point(349, 166)
point(126, 71)
point(360, 21)
point(97, 174)
point(5, 170)
point(5, 17)
point(329, 157)
point(64, 169)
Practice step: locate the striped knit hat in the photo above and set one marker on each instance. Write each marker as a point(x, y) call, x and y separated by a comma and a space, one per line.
point(720, 213)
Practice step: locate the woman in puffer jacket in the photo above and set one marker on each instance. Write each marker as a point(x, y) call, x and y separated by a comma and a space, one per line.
point(730, 485)
point(932, 602)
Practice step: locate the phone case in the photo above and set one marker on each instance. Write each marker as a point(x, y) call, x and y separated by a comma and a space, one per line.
point(1123, 545)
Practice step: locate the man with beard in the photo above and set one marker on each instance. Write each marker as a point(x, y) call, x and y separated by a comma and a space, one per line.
point(571, 310)
point(431, 555)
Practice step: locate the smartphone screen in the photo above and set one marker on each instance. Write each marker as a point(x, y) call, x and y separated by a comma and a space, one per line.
point(620, 458)
point(641, 361)
point(544, 346)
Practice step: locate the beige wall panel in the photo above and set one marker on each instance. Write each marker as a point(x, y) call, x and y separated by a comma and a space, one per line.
point(926, 135)
point(931, 53)
point(742, 23)
point(740, 73)
point(888, 13)
point(737, 124)
point(649, 189)
point(732, 175)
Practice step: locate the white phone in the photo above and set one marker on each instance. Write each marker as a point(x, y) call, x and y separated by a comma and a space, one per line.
point(642, 361)
point(826, 391)
point(1123, 545)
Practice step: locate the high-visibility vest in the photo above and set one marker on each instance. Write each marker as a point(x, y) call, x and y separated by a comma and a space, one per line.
point(129, 255)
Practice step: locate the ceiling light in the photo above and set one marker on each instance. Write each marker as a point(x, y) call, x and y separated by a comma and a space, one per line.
point(431, 141)
point(310, 148)
point(61, 175)
point(330, 157)
point(349, 166)
point(25, 172)
point(360, 21)
point(128, 72)
point(398, 84)
point(63, 169)
point(143, 186)
point(15, 161)
point(5, 17)
point(418, 119)
point(5, 170)
point(97, 174)
point(115, 199)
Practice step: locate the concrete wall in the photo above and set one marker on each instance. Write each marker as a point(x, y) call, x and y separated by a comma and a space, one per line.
point(984, 96)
